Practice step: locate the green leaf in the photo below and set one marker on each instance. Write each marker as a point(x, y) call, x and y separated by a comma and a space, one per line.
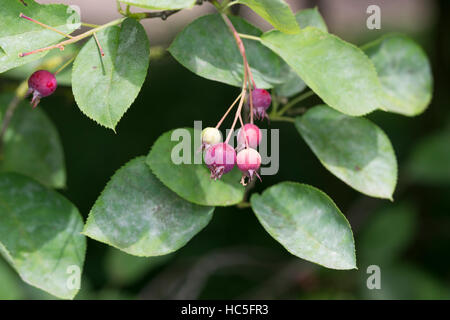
point(430, 158)
point(10, 288)
point(311, 18)
point(307, 223)
point(276, 12)
point(32, 145)
point(218, 58)
point(340, 73)
point(18, 35)
point(189, 180)
point(105, 87)
point(161, 4)
point(353, 149)
point(404, 72)
point(52, 61)
point(387, 234)
point(139, 215)
point(293, 84)
point(40, 235)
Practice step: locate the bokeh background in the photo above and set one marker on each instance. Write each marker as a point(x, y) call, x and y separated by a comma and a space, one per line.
point(234, 257)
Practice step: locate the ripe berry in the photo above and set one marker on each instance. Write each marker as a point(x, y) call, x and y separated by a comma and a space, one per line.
point(42, 83)
point(210, 137)
point(261, 102)
point(248, 161)
point(220, 159)
point(253, 135)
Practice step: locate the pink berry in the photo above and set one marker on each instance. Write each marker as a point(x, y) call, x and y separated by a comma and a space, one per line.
point(220, 159)
point(248, 161)
point(42, 83)
point(253, 135)
point(261, 102)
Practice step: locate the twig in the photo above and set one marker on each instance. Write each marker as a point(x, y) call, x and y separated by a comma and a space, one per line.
point(294, 101)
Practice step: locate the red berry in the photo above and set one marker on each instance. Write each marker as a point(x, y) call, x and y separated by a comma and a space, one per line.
point(220, 159)
point(42, 83)
point(248, 161)
point(261, 102)
point(253, 135)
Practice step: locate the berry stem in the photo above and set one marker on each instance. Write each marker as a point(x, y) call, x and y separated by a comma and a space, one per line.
point(75, 39)
point(21, 15)
point(294, 101)
point(247, 71)
point(238, 112)
point(228, 111)
point(245, 132)
point(102, 53)
point(139, 15)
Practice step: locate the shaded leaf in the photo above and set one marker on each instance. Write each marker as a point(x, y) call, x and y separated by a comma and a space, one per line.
point(18, 35)
point(387, 234)
point(32, 145)
point(217, 57)
point(430, 158)
point(139, 215)
point(340, 73)
point(189, 180)
point(307, 223)
point(124, 269)
point(276, 12)
point(353, 149)
point(404, 72)
point(40, 234)
point(105, 87)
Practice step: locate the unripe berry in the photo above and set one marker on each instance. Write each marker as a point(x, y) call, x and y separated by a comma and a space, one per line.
point(220, 159)
point(42, 83)
point(210, 136)
point(253, 135)
point(261, 102)
point(249, 162)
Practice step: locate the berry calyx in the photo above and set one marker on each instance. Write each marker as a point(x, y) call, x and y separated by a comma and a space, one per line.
point(41, 84)
point(249, 162)
point(210, 137)
point(250, 132)
point(261, 102)
point(220, 159)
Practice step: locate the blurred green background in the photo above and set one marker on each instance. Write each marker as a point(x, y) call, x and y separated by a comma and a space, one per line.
point(234, 257)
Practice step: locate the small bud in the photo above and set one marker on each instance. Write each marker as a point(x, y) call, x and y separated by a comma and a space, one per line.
point(261, 102)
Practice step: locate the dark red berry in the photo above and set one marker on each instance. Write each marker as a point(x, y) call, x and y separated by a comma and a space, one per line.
point(41, 84)
point(261, 102)
point(253, 135)
point(220, 159)
point(248, 161)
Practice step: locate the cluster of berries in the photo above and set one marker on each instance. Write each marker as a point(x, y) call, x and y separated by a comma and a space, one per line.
point(220, 157)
